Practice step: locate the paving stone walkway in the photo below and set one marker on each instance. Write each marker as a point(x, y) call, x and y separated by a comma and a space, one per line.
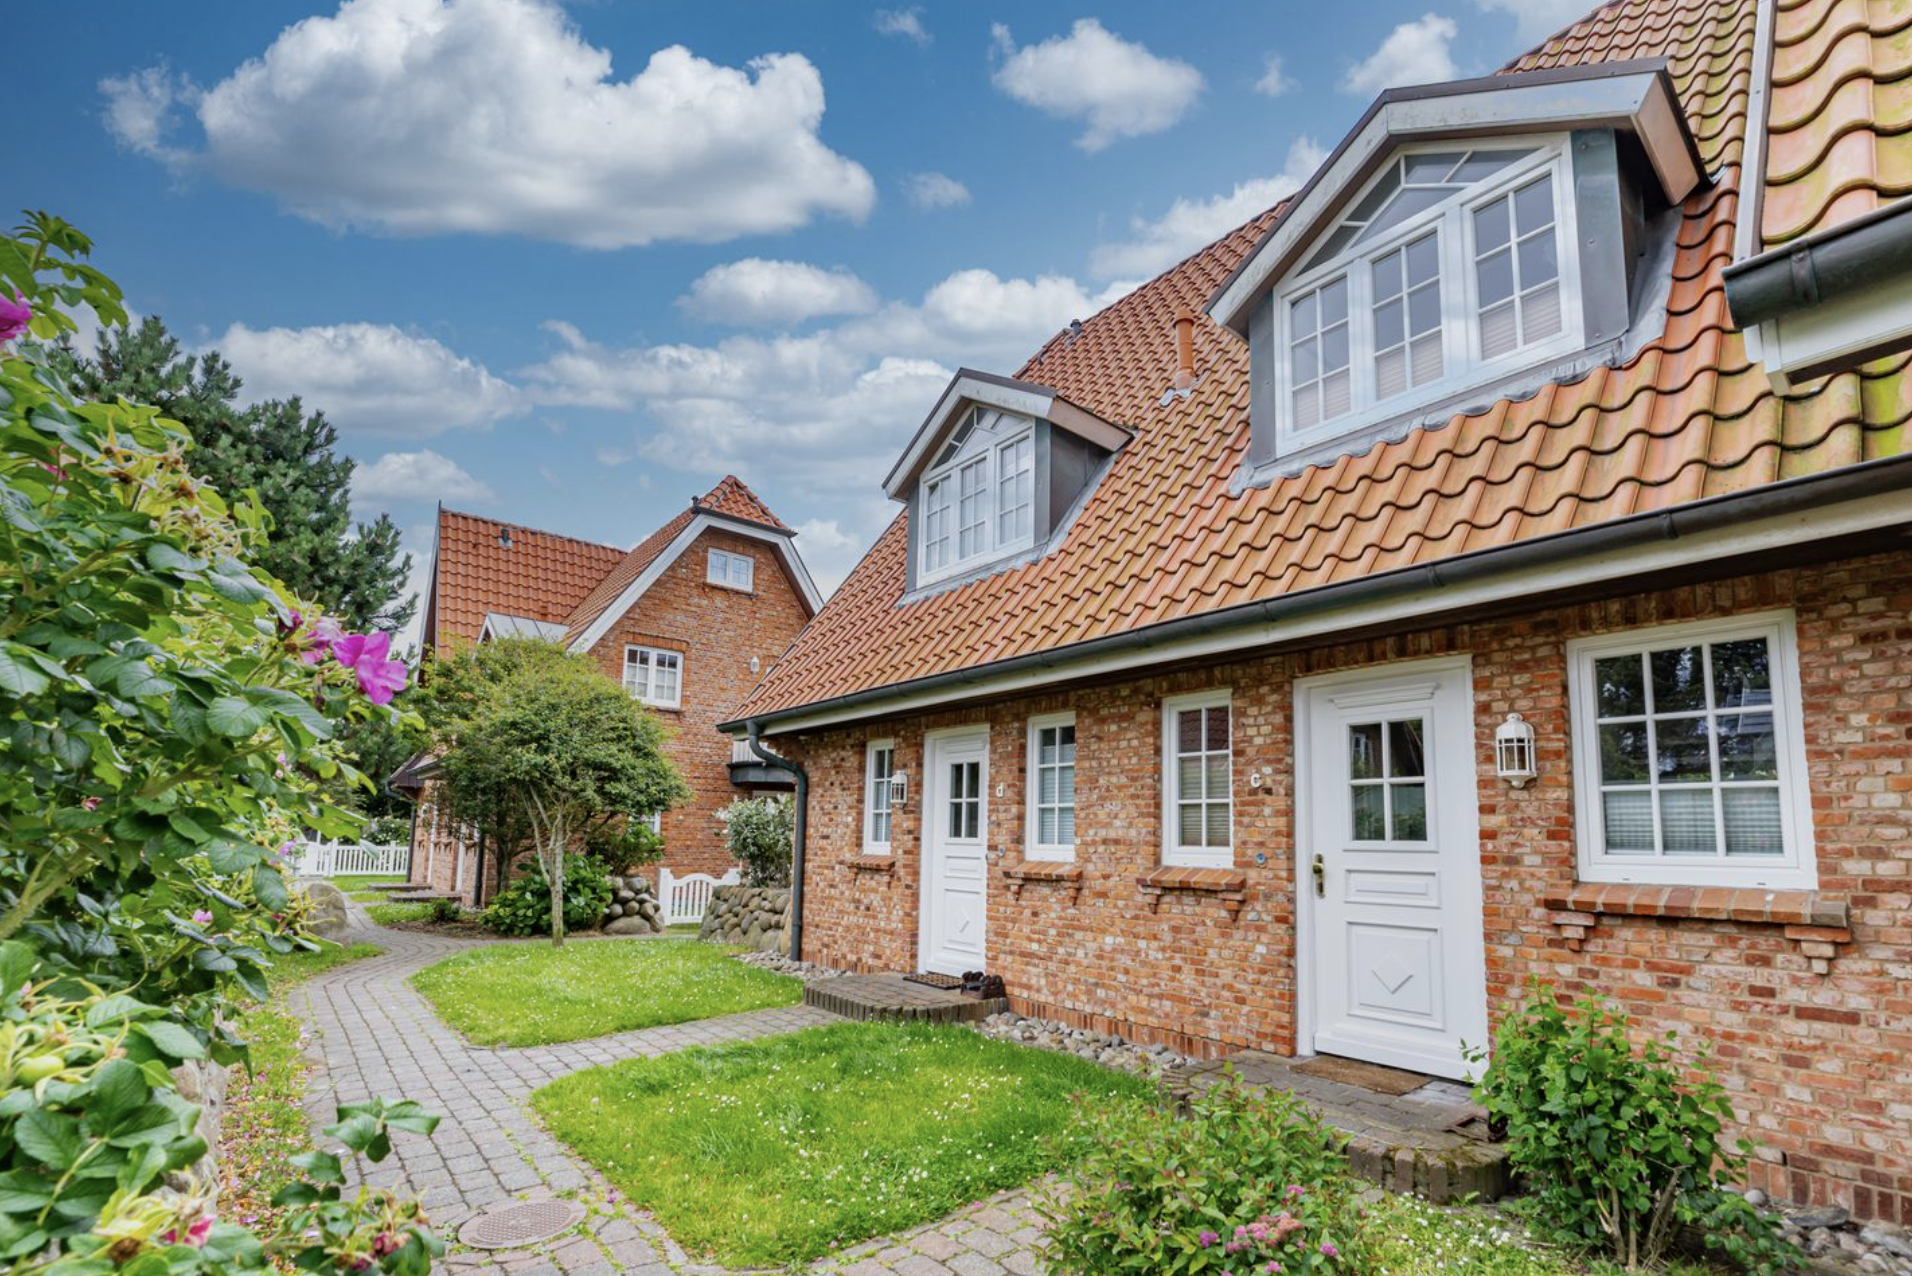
point(373, 1035)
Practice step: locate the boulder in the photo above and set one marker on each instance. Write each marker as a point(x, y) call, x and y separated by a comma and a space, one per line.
point(328, 916)
point(632, 926)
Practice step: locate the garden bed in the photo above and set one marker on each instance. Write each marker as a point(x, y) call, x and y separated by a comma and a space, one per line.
point(783, 1149)
point(530, 994)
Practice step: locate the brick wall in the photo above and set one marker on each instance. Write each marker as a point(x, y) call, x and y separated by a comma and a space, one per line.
point(718, 630)
point(1820, 1065)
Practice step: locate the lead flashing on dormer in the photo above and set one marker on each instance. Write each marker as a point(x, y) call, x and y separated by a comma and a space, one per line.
point(1637, 97)
point(1025, 398)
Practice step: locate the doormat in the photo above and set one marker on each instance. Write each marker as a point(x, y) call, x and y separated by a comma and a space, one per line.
point(929, 979)
point(1369, 1076)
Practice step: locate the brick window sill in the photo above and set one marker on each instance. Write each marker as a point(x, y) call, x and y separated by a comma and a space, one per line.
point(1018, 873)
point(872, 863)
point(1229, 885)
point(1818, 923)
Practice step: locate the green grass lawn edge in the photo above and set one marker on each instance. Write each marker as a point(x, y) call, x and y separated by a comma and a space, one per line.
point(532, 994)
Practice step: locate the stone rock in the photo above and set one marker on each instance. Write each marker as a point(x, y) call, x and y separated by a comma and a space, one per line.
point(1885, 1236)
point(327, 918)
point(624, 896)
point(631, 926)
point(1825, 1216)
point(1755, 1198)
point(1872, 1263)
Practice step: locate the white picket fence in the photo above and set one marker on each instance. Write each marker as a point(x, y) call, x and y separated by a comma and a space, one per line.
point(685, 898)
point(342, 859)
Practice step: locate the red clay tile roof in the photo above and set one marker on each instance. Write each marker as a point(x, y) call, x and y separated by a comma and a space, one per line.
point(540, 574)
point(729, 499)
point(1839, 120)
point(555, 578)
point(1164, 538)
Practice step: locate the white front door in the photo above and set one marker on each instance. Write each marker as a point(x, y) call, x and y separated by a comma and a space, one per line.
point(1390, 866)
point(955, 903)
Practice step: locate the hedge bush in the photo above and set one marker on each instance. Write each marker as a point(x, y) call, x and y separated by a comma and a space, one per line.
point(524, 907)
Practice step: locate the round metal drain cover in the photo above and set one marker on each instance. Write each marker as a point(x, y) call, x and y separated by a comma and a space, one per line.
point(520, 1223)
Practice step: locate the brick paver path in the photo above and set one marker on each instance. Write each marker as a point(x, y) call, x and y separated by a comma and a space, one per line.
point(375, 1036)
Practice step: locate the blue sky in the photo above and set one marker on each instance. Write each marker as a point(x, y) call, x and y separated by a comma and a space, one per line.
point(568, 265)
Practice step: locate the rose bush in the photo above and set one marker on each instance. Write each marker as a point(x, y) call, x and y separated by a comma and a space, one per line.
point(168, 720)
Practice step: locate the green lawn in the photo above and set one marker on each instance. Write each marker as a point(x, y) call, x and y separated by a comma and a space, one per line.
point(358, 886)
point(777, 1150)
point(1433, 1240)
point(388, 914)
point(264, 1125)
point(532, 994)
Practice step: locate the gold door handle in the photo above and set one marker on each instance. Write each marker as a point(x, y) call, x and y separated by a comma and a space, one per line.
point(1320, 876)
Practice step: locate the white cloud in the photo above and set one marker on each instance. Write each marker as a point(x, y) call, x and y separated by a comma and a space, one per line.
point(907, 23)
point(370, 378)
point(1413, 53)
point(139, 109)
point(1537, 19)
point(828, 551)
point(423, 475)
point(496, 117)
point(756, 291)
point(1275, 79)
point(935, 190)
point(1190, 224)
point(1116, 86)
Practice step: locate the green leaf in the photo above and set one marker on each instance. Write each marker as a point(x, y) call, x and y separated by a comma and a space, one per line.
point(18, 675)
point(51, 1138)
point(137, 680)
point(16, 967)
point(119, 1088)
point(235, 716)
point(173, 1040)
point(115, 1008)
point(71, 750)
point(163, 557)
point(227, 855)
point(268, 885)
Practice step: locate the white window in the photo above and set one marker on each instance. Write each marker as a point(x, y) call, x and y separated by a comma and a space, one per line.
point(734, 571)
point(1448, 269)
point(655, 822)
point(1197, 786)
point(879, 764)
point(978, 499)
point(1052, 805)
point(653, 676)
point(1689, 756)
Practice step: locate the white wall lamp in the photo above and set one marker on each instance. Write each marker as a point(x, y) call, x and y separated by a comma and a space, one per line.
point(899, 788)
point(1514, 751)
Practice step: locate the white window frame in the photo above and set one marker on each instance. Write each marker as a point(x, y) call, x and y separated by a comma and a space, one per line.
point(1462, 364)
point(867, 803)
point(643, 695)
point(1798, 868)
point(655, 822)
point(943, 523)
point(1033, 847)
point(1175, 855)
point(721, 567)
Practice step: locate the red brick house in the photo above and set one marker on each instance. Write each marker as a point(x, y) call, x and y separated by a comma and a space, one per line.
point(689, 620)
point(1491, 564)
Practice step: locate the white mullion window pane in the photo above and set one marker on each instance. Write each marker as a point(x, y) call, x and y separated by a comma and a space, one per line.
point(1015, 490)
point(1407, 316)
point(936, 497)
point(1517, 268)
point(1054, 784)
point(1318, 352)
point(882, 766)
point(1202, 778)
point(653, 676)
point(972, 509)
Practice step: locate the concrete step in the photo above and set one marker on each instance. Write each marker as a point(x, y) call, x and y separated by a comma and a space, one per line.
point(894, 997)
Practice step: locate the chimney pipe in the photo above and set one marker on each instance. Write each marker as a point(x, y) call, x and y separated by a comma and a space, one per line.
point(1184, 349)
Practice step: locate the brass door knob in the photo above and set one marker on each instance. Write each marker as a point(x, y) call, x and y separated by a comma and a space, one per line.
point(1320, 876)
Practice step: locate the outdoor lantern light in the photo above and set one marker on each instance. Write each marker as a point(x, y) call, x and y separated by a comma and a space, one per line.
point(899, 788)
point(1514, 751)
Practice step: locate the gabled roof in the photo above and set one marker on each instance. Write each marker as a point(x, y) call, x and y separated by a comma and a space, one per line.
point(730, 505)
point(1169, 536)
point(484, 565)
point(1026, 397)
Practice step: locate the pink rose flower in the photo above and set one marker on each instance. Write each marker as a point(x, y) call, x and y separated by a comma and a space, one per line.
point(201, 917)
point(380, 679)
point(15, 315)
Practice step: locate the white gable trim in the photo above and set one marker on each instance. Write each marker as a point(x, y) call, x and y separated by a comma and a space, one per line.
point(1639, 100)
point(792, 561)
point(1020, 397)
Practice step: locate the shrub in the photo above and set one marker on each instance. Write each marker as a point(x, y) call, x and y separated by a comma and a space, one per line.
point(624, 849)
point(1252, 1178)
point(524, 907)
point(760, 832)
point(388, 830)
point(1622, 1146)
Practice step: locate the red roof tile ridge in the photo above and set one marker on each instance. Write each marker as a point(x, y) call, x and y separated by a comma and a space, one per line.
point(731, 488)
point(445, 511)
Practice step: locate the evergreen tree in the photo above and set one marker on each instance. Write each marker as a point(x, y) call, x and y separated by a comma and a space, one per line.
point(278, 450)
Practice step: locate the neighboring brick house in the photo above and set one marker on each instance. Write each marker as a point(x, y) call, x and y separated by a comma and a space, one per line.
point(689, 620)
point(1422, 589)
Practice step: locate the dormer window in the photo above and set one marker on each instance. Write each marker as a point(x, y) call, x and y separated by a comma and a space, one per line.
point(978, 502)
point(1446, 266)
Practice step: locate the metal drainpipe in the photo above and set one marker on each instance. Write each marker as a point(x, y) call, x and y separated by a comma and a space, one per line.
point(754, 732)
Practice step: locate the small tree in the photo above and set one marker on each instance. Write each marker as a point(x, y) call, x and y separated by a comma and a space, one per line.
point(760, 832)
point(566, 750)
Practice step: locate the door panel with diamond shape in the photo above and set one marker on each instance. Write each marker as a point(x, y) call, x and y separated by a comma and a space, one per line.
point(1396, 970)
point(955, 900)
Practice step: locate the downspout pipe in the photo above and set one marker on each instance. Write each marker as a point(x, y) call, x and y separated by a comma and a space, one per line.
point(754, 731)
